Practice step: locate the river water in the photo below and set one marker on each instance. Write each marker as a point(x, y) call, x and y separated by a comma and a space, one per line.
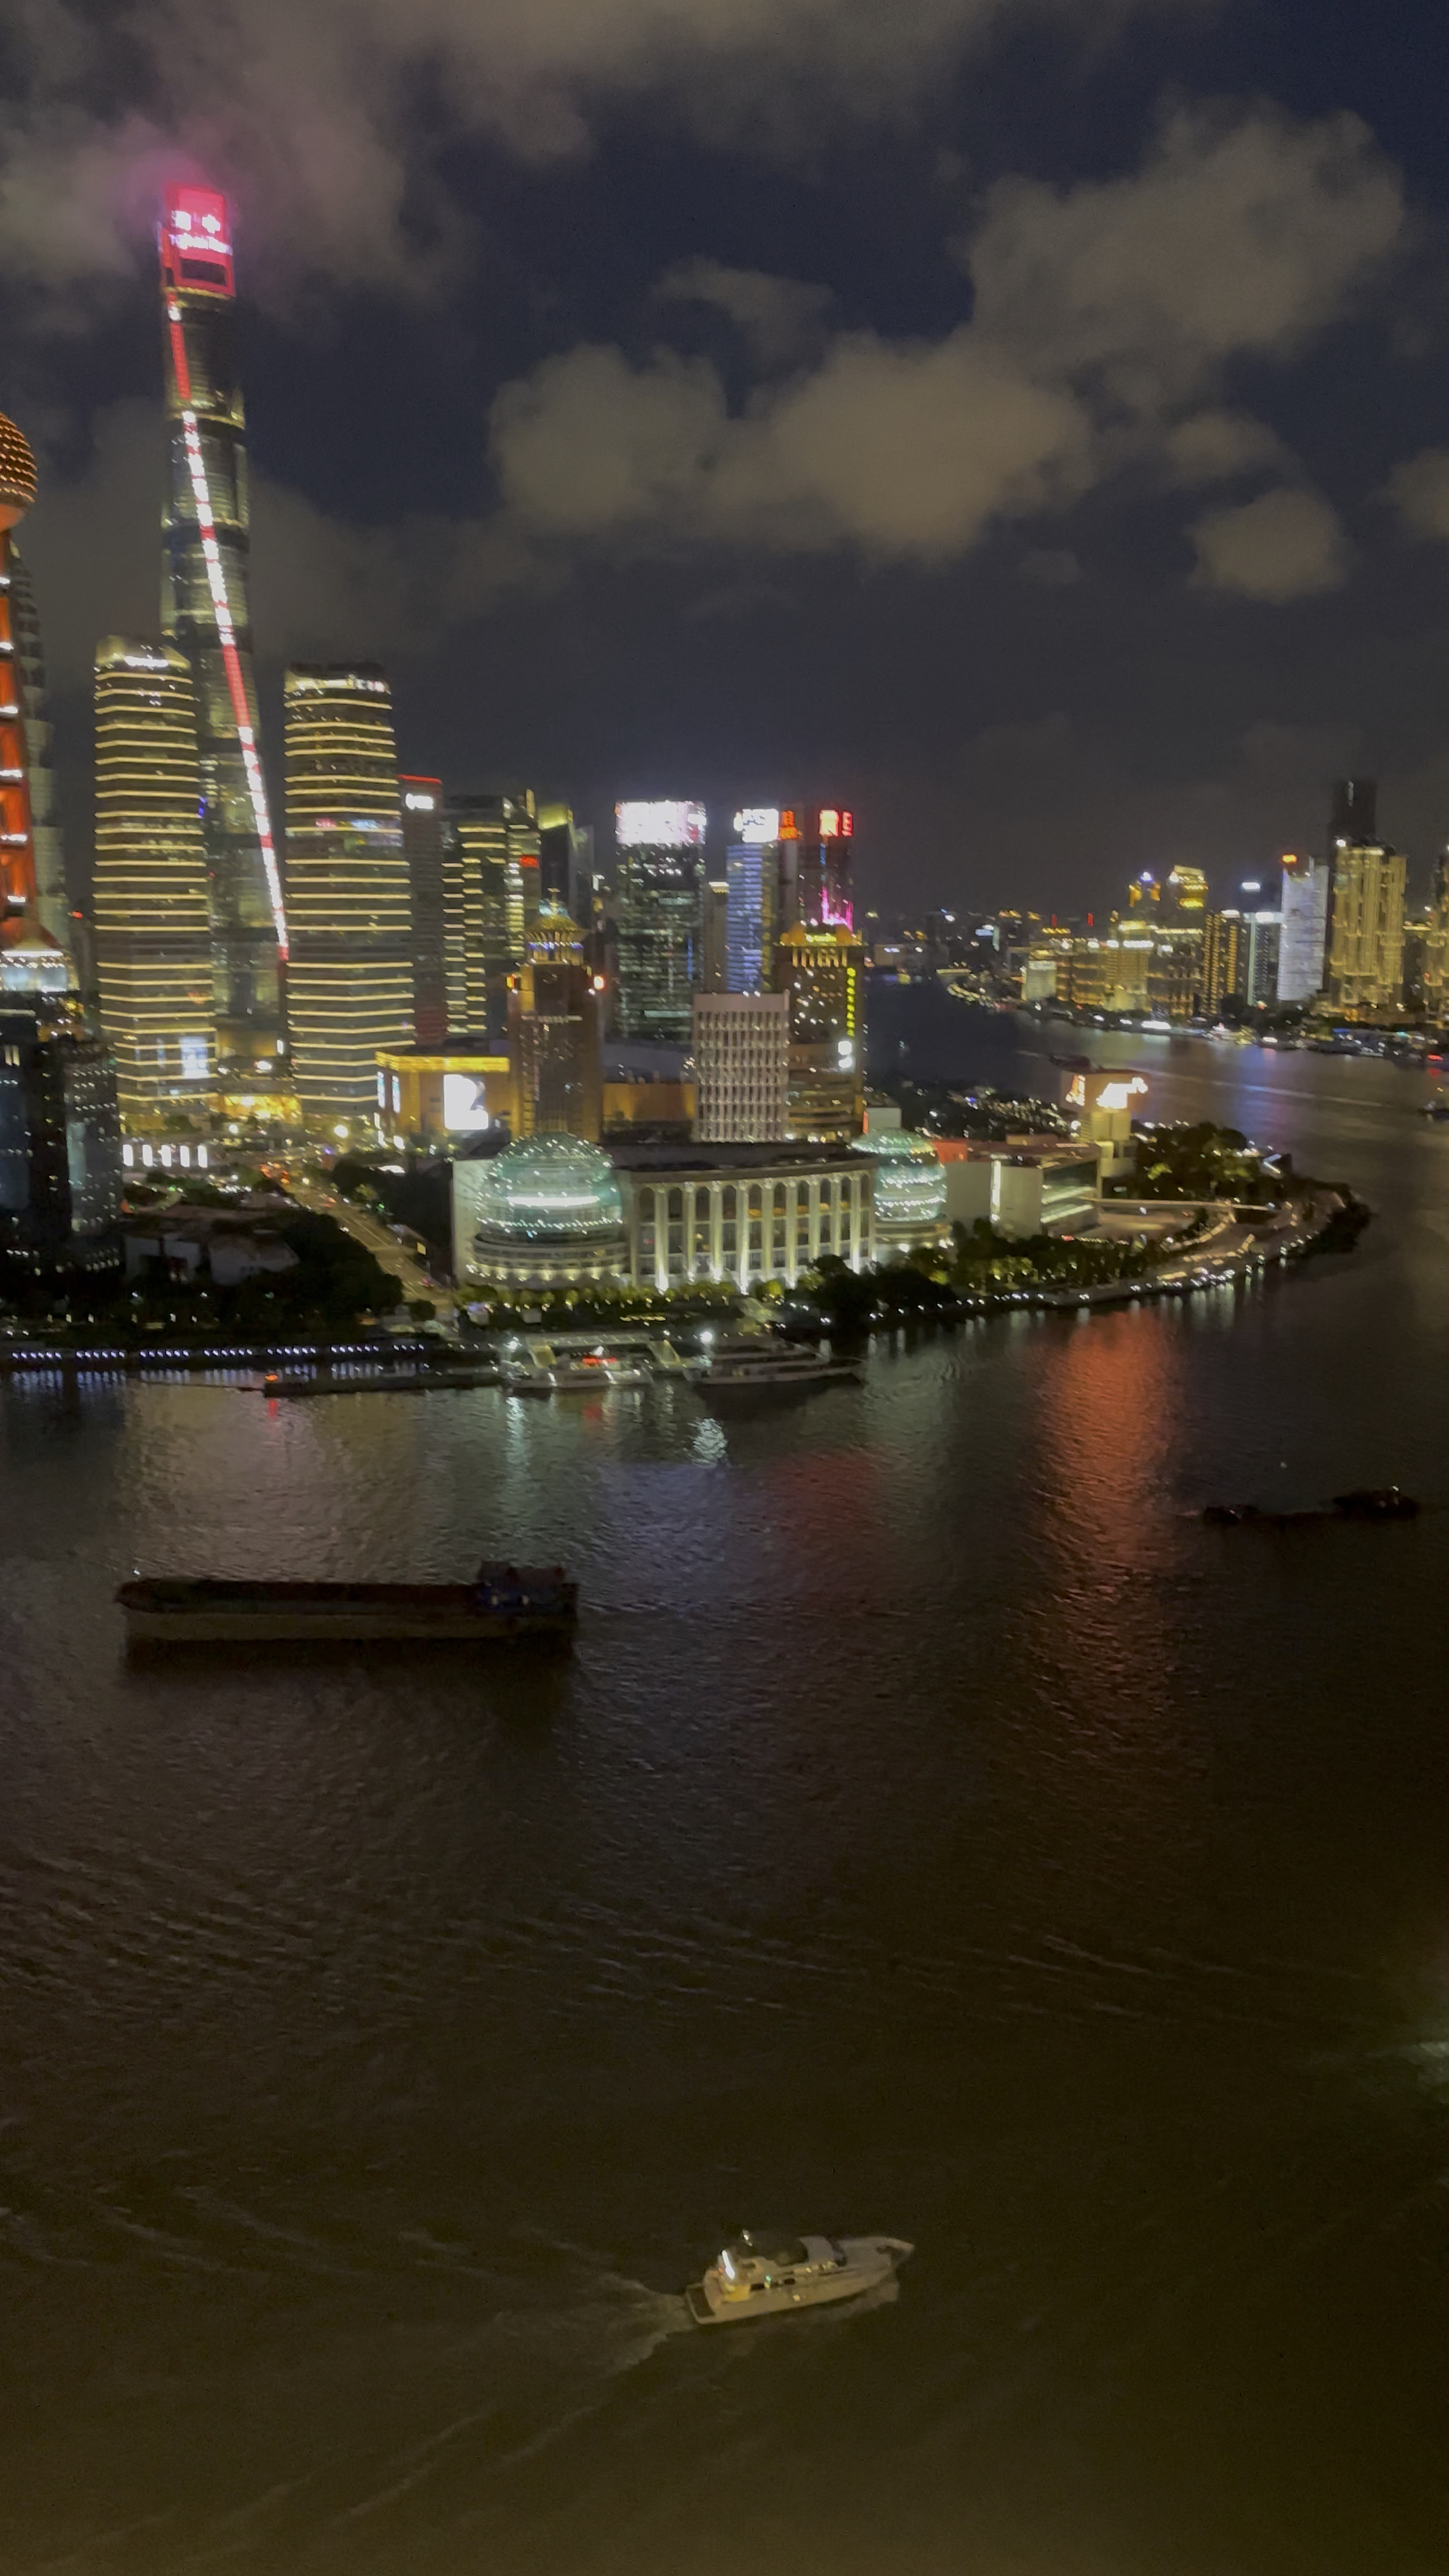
point(936, 1832)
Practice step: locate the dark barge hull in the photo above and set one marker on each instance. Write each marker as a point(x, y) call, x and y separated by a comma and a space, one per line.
point(213, 1613)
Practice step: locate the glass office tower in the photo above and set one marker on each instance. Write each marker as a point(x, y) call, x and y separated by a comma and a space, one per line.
point(658, 898)
point(151, 907)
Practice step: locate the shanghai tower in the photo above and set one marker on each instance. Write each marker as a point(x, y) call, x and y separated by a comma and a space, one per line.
point(205, 612)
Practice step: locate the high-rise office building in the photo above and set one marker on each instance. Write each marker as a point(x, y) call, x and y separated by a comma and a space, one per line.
point(423, 847)
point(1241, 955)
point(752, 876)
point(350, 983)
point(822, 861)
point(823, 972)
point(52, 897)
point(205, 612)
point(742, 1066)
point(32, 959)
point(491, 884)
point(151, 899)
point(1304, 910)
point(1353, 812)
point(1366, 926)
point(658, 915)
point(556, 1082)
point(60, 1139)
point(1434, 967)
point(714, 937)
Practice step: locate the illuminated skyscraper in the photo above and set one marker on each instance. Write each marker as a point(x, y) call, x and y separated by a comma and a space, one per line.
point(205, 612)
point(553, 1036)
point(742, 1065)
point(350, 983)
point(823, 971)
point(823, 865)
point(658, 897)
point(32, 959)
point(423, 841)
point(1304, 908)
point(152, 917)
point(752, 873)
point(491, 898)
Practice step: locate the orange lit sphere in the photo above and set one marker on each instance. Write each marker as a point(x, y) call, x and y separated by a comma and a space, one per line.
point(17, 473)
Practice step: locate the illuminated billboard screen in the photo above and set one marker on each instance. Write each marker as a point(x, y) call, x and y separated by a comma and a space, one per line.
point(464, 1110)
point(835, 824)
point(198, 239)
point(659, 827)
point(757, 824)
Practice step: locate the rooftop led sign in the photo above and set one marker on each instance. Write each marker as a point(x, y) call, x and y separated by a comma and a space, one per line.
point(757, 824)
point(663, 826)
point(197, 233)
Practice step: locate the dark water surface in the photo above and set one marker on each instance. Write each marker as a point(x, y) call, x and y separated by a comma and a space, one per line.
point(937, 1832)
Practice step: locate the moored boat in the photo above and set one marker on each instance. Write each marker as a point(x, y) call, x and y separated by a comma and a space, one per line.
point(766, 2274)
point(503, 1604)
point(757, 1364)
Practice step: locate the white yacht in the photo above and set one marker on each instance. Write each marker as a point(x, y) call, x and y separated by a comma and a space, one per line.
point(758, 1363)
point(766, 2275)
point(543, 1370)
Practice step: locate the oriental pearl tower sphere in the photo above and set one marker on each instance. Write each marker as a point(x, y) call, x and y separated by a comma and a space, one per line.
point(30, 959)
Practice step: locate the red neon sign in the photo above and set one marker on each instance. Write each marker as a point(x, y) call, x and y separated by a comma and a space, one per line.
point(835, 825)
point(196, 242)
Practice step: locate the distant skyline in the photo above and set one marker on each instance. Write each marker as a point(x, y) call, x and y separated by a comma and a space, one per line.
point(1034, 437)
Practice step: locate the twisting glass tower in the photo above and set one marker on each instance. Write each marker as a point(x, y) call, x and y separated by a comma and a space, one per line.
point(350, 987)
point(205, 613)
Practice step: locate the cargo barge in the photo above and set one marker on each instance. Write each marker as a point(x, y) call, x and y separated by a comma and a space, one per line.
point(503, 1605)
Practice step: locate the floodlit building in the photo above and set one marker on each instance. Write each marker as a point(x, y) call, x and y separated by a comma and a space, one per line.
point(658, 917)
point(822, 970)
point(458, 1090)
point(1021, 1188)
point(60, 1141)
point(742, 1066)
point(206, 614)
point(910, 1190)
point(350, 982)
point(1366, 929)
point(492, 892)
point(423, 842)
point(1104, 1104)
point(546, 1213)
point(151, 902)
point(743, 1213)
point(553, 1036)
point(1304, 936)
point(1241, 957)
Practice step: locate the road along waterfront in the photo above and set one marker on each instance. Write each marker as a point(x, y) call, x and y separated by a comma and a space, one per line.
point(937, 1831)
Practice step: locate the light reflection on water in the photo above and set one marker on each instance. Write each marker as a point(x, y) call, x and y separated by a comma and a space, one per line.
point(937, 1830)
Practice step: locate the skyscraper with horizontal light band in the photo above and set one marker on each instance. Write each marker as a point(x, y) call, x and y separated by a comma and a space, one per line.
point(151, 897)
point(350, 980)
point(205, 612)
point(32, 959)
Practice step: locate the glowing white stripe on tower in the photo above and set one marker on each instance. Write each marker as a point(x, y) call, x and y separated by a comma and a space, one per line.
point(225, 629)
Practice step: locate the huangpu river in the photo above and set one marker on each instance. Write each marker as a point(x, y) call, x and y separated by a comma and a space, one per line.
point(937, 1832)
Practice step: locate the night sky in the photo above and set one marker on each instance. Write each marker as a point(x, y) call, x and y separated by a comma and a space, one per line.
point(1026, 423)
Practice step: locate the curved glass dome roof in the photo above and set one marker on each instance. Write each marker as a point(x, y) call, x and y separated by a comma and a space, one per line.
point(549, 1189)
point(910, 1182)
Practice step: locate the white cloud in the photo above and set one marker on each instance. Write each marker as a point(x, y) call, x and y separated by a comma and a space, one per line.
point(310, 109)
point(1419, 490)
point(1241, 233)
point(903, 450)
point(1285, 545)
